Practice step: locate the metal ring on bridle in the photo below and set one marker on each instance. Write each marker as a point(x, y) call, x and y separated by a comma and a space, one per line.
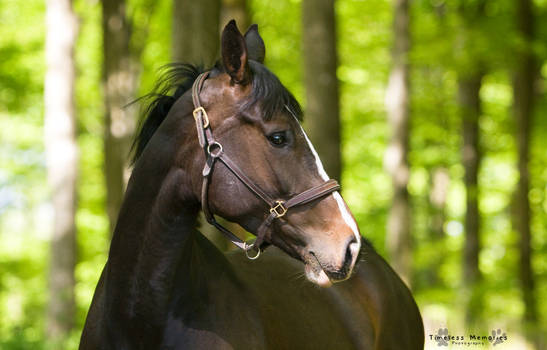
point(214, 149)
point(247, 247)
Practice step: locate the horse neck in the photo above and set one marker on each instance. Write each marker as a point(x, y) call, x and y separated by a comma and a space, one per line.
point(156, 221)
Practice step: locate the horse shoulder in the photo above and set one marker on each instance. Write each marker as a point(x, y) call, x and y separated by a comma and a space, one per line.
point(385, 297)
point(211, 308)
point(296, 313)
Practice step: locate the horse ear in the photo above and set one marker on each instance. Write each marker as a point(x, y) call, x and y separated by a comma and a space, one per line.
point(255, 44)
point(234, 53)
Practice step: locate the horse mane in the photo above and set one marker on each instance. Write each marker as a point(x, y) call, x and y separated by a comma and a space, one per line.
point(177, 78)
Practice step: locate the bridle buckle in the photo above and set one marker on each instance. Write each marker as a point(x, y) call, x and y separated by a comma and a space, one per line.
point(279, 209)
point(201, 110)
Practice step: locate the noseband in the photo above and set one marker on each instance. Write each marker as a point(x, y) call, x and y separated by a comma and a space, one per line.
point(214, 152)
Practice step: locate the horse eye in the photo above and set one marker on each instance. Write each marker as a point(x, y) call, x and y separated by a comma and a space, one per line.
point(278, 138)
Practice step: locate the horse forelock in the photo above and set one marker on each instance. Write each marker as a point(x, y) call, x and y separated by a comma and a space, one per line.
point(270, 94)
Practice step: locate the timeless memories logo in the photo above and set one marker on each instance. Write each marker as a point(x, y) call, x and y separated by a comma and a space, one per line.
point(444, 338)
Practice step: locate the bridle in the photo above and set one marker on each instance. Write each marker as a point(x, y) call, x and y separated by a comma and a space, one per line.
point(214, 152)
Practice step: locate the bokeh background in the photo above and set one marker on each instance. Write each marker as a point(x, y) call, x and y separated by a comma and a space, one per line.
point(439, 106)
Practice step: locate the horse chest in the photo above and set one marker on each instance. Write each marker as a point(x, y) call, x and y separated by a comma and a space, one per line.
point(254, 305)
point(214, 316)
point(233, 321)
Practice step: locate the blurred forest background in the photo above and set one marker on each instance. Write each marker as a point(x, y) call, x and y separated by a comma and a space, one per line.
point(429, 111)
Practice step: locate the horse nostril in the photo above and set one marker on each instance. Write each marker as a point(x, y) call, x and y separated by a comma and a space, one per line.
point(351, 251)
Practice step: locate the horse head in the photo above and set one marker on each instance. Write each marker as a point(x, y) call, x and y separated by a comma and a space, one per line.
point(255, 121)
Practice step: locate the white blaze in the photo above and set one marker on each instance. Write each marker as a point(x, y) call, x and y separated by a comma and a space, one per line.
point(346, 215)
point(318, 163)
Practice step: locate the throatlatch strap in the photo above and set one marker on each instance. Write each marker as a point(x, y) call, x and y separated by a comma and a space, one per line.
point(207, 212)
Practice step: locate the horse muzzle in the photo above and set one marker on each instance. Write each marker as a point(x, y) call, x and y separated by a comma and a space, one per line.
point(326, 266)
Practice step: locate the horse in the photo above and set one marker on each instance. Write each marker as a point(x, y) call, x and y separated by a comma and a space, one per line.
point(229, 141)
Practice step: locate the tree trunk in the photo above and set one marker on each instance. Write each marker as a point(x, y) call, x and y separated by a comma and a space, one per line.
point(440, 183)
point(62, 163)
point(118, 88)
point(231, 9)
point(399, 242)
point(470, 74)
point(235, 9)
point(523, 92)
point(470, 104)
point(195, 39)
point(195, 31)
point(322, 100)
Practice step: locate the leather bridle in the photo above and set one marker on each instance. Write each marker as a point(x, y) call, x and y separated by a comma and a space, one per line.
point(214, 152)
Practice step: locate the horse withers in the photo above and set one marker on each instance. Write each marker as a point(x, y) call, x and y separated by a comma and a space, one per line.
point(228, 141)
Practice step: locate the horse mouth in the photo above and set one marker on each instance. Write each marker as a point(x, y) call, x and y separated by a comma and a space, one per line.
point(315, 273)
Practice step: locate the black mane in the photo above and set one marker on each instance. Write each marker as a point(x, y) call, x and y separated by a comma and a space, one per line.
point(178, 78)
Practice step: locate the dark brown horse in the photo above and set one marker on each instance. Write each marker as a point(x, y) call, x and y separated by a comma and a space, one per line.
point(165, 286)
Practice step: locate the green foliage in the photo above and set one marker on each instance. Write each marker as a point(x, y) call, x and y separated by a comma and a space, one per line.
point(24, 213)
point(364, 35)
point(364, 39)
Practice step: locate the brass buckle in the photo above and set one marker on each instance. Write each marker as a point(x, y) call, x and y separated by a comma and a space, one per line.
point(279, 209)
point(204, 114)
